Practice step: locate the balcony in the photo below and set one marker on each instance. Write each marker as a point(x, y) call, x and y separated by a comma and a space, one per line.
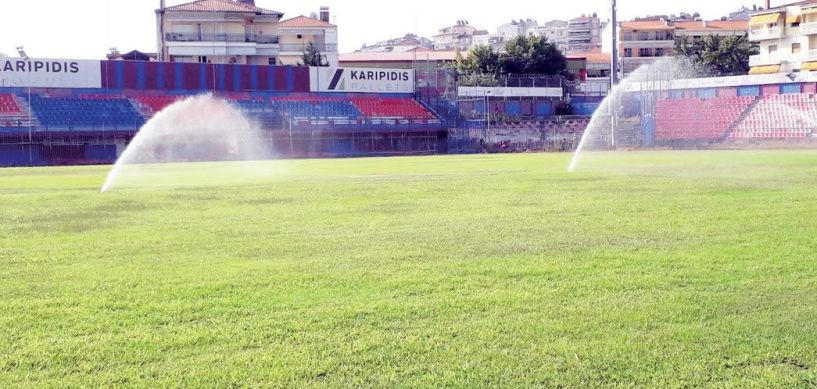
point(299, 48)
point(764, 59)
point(651, 43)
point(765, 34)
point(808, 28)
point(235, 38)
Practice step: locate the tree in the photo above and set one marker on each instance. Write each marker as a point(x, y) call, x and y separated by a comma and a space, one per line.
point(481, 60)
point(722, 56)
point(532, 55)
point(523, 55)
point(313, 57)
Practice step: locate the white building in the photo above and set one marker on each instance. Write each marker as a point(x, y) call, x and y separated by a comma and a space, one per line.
point(555, 31)
point(459, 36)
point(787, 37)
point(297, 33)
point(218, 31)
point(405, 43)
point(515, 29)
point(584, 34)
point(238, 31)
point(496, 42)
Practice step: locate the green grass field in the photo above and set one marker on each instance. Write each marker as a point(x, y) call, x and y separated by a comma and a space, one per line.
point(680, 269)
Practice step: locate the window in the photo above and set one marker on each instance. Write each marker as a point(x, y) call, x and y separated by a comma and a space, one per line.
point(644, 36)
point(645, 52)
point(628, 36)
point(659, 52)
point(628, 53)
point(300, 36)
point(795, 48)
point(773, 49)
point(273, 61)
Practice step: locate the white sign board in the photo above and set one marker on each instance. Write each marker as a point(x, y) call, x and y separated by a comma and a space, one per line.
point(361, 80)
point(50, 73)
point(722, 82)
point(482, 91)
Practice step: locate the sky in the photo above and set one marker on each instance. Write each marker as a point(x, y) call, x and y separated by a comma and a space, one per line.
point(46, 30)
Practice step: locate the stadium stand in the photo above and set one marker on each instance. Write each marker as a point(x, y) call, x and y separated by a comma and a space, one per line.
point(780, 116)
point(9, 105)
point(151, 104)
point(316, 107)
point(86, 112)
point(695, 119)
point(128, 110)
point(14, 115)
point(374, 107)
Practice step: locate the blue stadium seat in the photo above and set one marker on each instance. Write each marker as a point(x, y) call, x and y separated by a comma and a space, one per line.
point(86, 112)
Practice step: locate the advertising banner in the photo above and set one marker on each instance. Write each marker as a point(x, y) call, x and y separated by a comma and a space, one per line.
point(361, 80)
point(49, 73)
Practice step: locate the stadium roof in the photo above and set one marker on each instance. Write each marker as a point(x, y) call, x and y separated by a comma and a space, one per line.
point(404, 56)
point(303, 21)
point(221, 6)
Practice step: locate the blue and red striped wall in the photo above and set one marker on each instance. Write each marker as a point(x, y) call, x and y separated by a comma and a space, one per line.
point(166, 76)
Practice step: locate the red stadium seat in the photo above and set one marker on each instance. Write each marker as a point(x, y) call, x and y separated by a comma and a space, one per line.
point(780, 116)
point(698, 119)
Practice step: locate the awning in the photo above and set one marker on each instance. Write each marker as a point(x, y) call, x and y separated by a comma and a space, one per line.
point(794, 19)
point(760, 20)
point(808, 66)
point(809, 11)
point(768, 69)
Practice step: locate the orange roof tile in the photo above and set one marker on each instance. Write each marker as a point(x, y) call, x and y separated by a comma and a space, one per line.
point(220, 6)
point(303, 21)
point(591, 57)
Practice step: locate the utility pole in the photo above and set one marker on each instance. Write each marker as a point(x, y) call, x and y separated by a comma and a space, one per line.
point(613, 75)
point(614, 56)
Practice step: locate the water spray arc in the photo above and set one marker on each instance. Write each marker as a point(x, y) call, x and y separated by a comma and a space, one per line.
point(196, 129)
point(608, 105)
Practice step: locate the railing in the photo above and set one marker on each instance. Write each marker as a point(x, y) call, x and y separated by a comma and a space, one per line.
point(245, 38)
point(766, 33)
point(764, 59)
point(293, 48)
point(808, 28)
point(384, 123)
